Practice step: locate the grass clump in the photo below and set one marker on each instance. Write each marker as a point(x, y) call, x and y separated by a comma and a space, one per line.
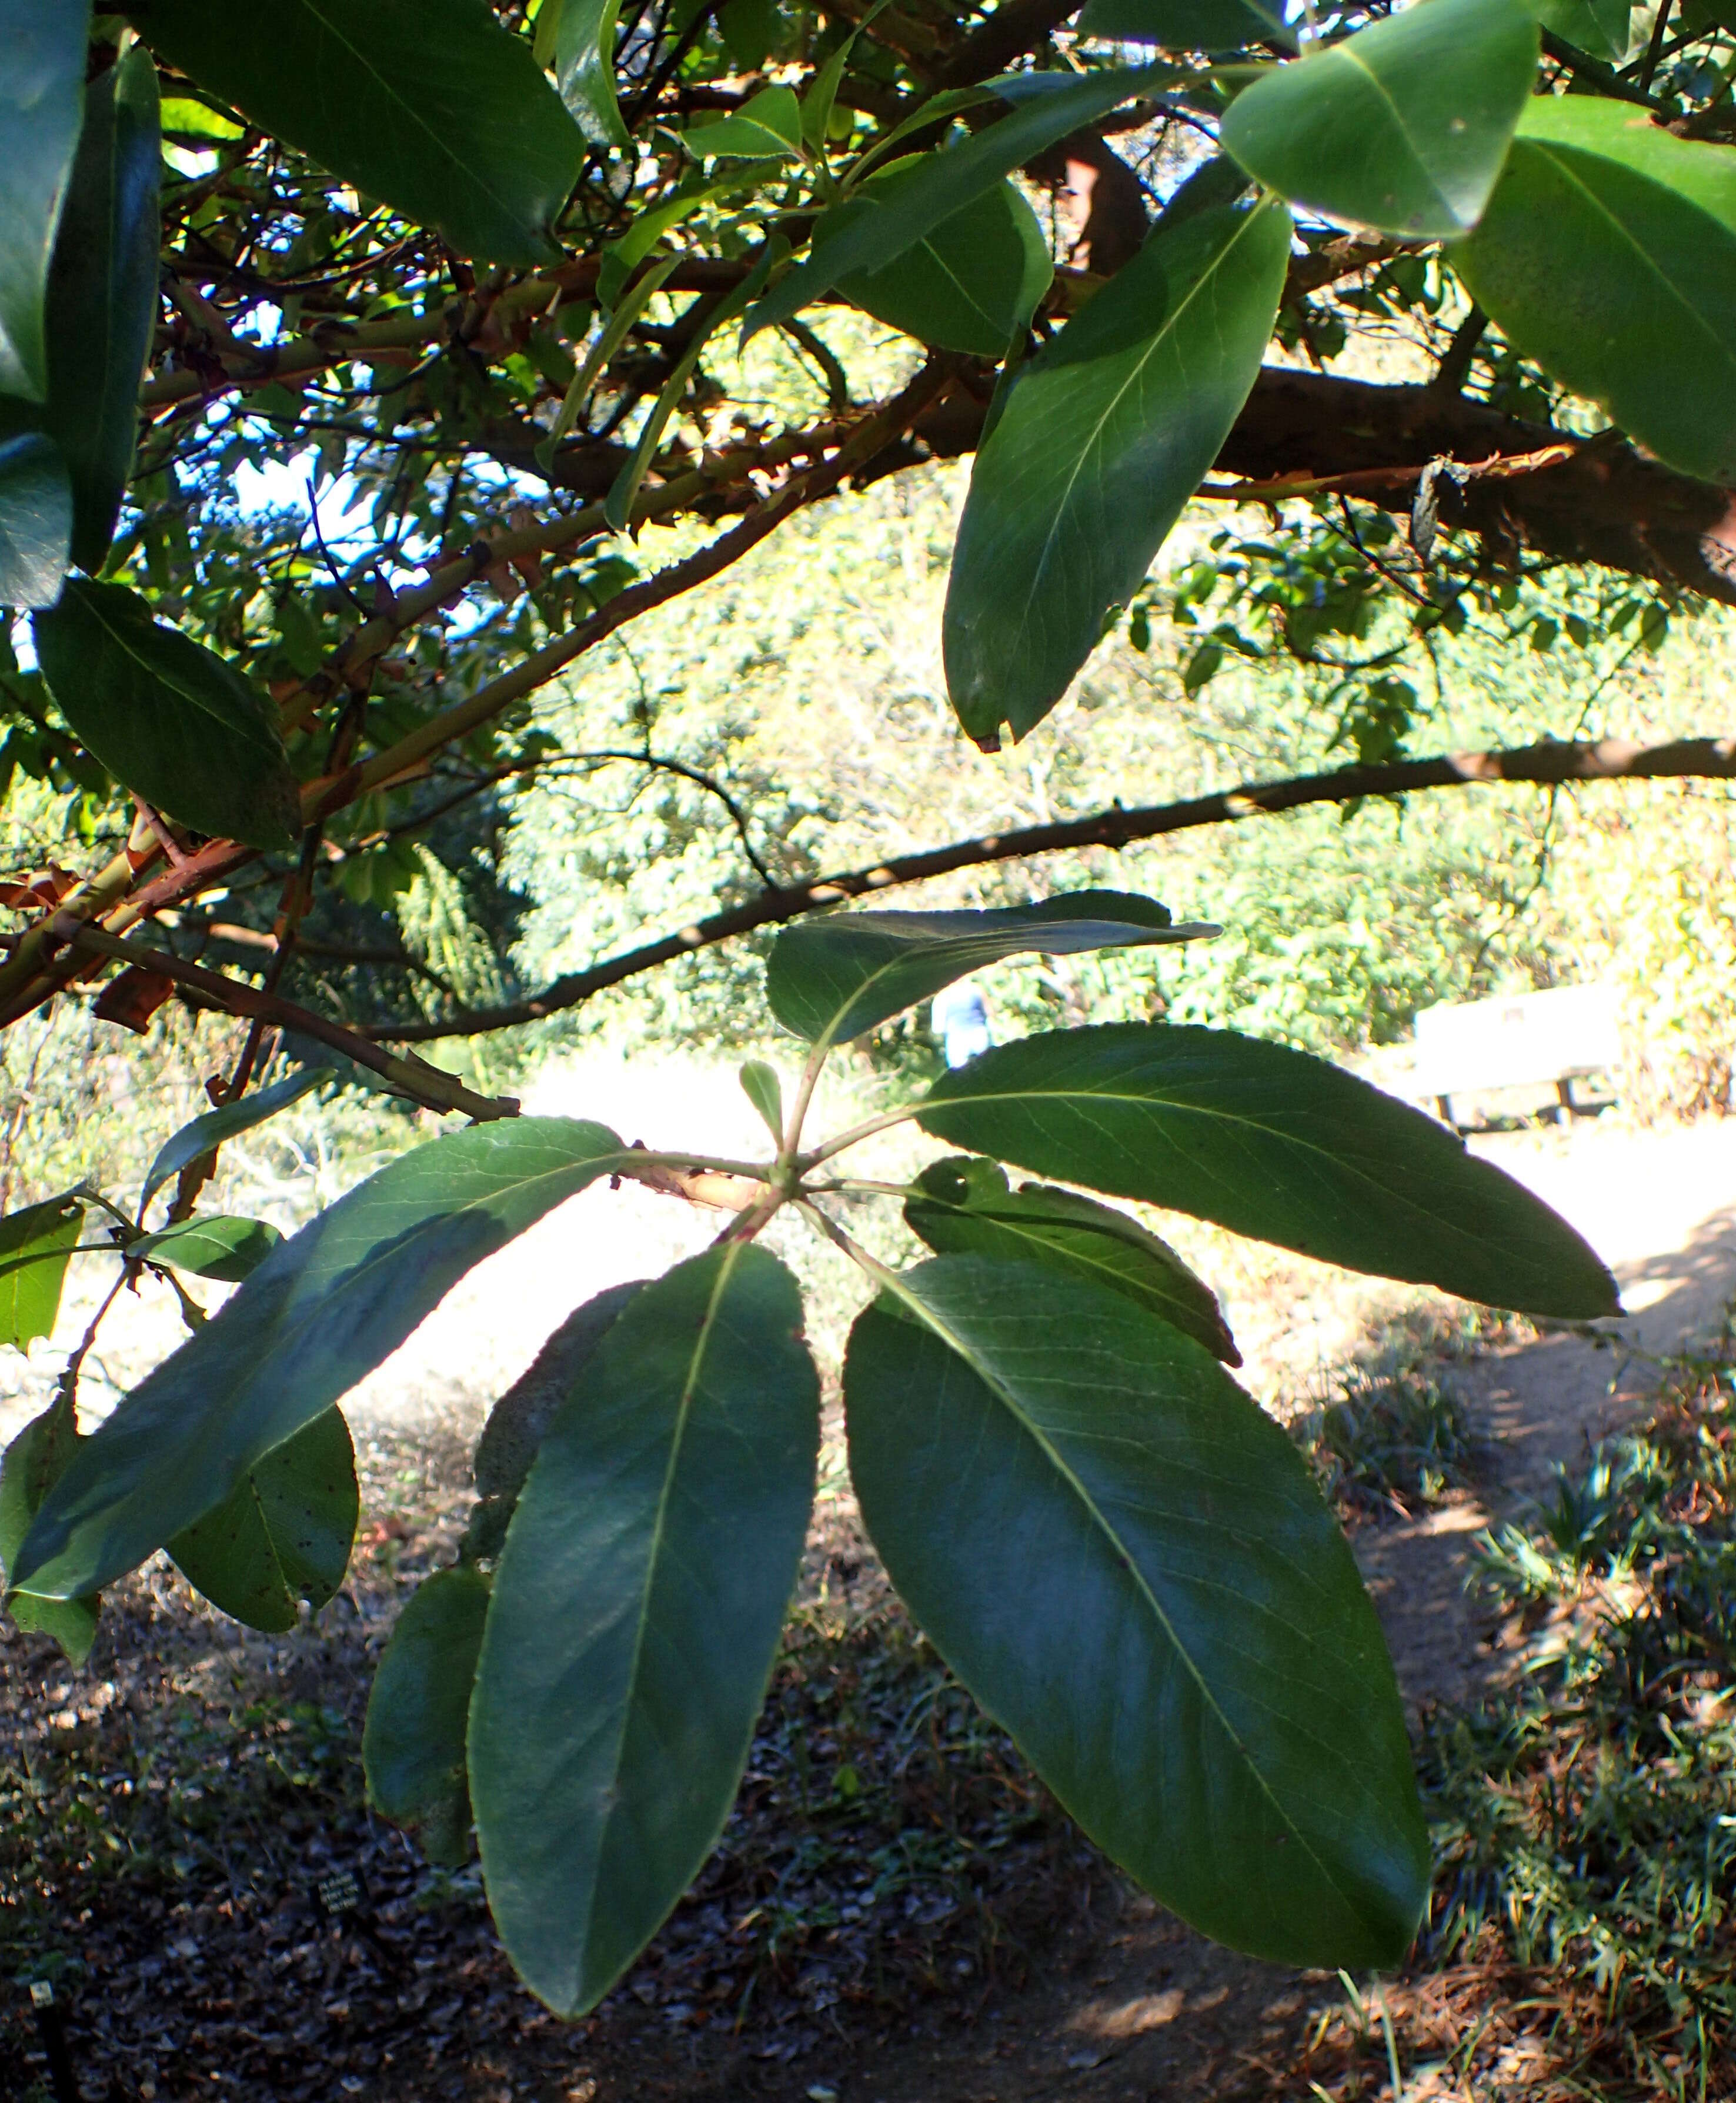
point(1585, 1822)
point(1390, 1440)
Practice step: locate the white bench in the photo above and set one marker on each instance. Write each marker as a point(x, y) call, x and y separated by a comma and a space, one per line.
point(1529, 1040)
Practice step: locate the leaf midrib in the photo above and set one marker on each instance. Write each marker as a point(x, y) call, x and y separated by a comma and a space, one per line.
point(1557, 154)
point(1228, 1117)
point(1125, 1562)
point(383, 81)
point(1162, 340)
point(286, 1339)
point(245, 728)
point(726, 1271)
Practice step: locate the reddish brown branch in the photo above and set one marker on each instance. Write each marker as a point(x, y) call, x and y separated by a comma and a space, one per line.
point(1548, 764)
point(411, 1076)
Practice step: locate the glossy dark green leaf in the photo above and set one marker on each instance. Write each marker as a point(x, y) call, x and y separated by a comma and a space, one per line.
point(1601, 27)
point(946, 182)
point(831, 978)
point(1188, 25)
point(204, 1134)
point(1404, 126)
point(34, 1462)
point(102, 297)
point(585, 68)
point(1128, 1563)
point(323, 1310)
point(169, 718)
point(219, 1246)
point(36, 1243)
point(283, 1534)
point(36, 512)
point(412, 1747)
point(430, 104)
point(968, 1209)
point(1106, 434)
point(512, 1435)
point(1271, 1143)
point(635, 1615)
point(767, 127)
point(1607, 254)
point(967, 285)
point(42, 99)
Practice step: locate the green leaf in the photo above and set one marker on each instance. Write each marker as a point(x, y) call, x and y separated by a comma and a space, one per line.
point(204, 1135)
point(35, 1244)
point(1607, 254)
point(33, 1462)
point(947, 181)
point(1128, 1563)
point(435, 109)
point(640, 1595)
point(323, 1310)
point(102, 297)
point(36, 513)
point(168, 719)
point(585, 68)
point(1188, 25)
point(1404, 126)
point(513, 1436)
point(970, 284)
point(413, 1745)
point(283, 1534)
point(1273, 1143)
point(1106, 434)
point(219, 1247)
point(830, 978)
point(1601, 27)
point(42, 99)
point(767, 127)
point(968, 1209)
point(765, 1092)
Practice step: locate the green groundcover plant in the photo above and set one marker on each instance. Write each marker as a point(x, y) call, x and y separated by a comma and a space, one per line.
point(1118, 1552)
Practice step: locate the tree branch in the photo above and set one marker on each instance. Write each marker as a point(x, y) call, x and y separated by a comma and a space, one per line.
point(412, 1077)
point(1548, 764)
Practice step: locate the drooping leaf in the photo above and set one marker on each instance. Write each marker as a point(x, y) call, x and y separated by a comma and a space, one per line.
point(635, 1615)
point(412, 1746)
point(102, 297)
point(1188, 25)
point(1607, 254)
point(946, 182)
point(585, 68)
point(169, 718)
point(1106, 434)
point(204, 1134)
point(36, 1243)
point(323, 1310)
point(429, 104)
point(968, 1209)
point(36, 513)
point(767, 127)
point(1404, 126)
point(1271, 1143)
point(42, 99)
point(1127, 1561)
point(283, 1534)
point(512, 1435)
point(220, 1247)
point(830, 978)
point(33, 1462)
point(967, 285)
point(1601, 27)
